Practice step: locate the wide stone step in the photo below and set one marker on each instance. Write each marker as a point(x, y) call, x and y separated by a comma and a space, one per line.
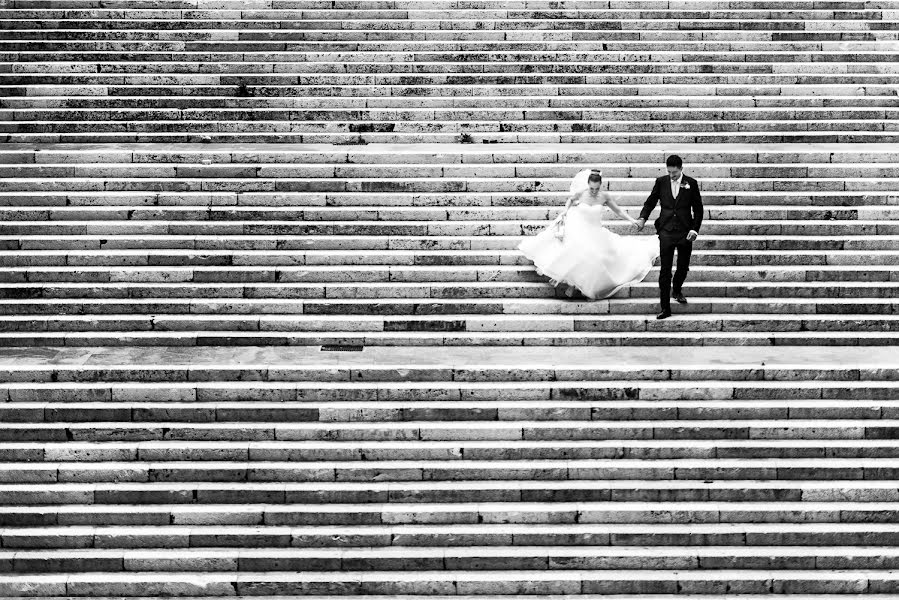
point(491, 137)
point(200, 536)
point(653, 154)
point(358, 431)
point(473, 583)
point(425, 275)
point(573, 62)
point(48, 100)
point(322, 274)
point(343, 81)
point(584, 18)
point(827, 51)
point(543, 391)
point(234, 84)
point(452, 470)
point(302, 451)
point(883, 321)
point(864, 37)
point(446, 9)
point(459, 513)
point(369, 40)
point(835, 197)
point(433, 291)
point(468, 19)
point(349, 258)
point(638, 7)
point(409, 133)
point(286, 34)
point(313, 451)
point(553, 163)
point(453, 228)
point(584, 490)
point(618, 176)
point(262, 62)
point(252, 71)
point(494, 597)
point(436, 245)
point(841, 195)
point(257, 308)
point(192, 32)
point(859, 35)
point(346, 291)
point(811, 200)
point(423, 410)
point(760, 213)
point(784, 126)
point(516, 86)
point(457, 365)
point(476, 558)
point(431, 206)
point(351, 341)
point(495, 17)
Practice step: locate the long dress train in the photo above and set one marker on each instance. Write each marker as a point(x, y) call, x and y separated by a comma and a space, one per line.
point(593, 259)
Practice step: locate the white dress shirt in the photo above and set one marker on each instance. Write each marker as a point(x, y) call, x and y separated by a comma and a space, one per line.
point(675, 185)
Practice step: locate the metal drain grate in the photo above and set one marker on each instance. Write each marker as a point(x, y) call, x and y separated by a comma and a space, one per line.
point(342, 348)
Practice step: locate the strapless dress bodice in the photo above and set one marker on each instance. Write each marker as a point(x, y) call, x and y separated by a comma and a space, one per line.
point(590, 212)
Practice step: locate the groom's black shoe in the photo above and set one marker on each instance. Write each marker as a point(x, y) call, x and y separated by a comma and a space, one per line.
point(664, 314)
point(679, 296)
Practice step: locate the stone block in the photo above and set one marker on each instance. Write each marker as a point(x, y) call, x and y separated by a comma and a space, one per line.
point(618, 586)
point(130, 584)
point(848, 585)
point(42, 585)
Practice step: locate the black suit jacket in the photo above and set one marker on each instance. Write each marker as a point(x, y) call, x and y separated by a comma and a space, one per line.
point(685, 210)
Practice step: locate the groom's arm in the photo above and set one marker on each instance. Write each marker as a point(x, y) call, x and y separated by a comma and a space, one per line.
point(697, 208)
point(651, 201)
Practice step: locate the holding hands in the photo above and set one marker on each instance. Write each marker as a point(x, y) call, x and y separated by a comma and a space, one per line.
point(640, 223)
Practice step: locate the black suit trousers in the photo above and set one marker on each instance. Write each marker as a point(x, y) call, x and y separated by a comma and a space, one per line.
point(684, 250)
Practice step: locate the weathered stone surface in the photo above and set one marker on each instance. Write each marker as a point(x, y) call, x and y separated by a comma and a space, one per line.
point(264, 327)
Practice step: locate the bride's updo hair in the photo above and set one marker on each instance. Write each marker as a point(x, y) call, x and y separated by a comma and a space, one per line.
point(595, 176)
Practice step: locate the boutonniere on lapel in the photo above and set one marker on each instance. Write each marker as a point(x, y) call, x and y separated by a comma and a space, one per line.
point(685, 185)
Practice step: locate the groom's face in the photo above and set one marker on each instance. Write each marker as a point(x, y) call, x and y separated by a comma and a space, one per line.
point(674, 172)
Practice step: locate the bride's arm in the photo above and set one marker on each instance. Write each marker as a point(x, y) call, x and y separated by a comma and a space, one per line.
point(569, 204)
point(617, 210)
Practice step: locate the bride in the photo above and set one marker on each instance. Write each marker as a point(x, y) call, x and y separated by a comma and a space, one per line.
point(577, 250)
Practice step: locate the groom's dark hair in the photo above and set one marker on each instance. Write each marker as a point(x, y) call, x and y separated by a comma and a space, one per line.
point(675, 161)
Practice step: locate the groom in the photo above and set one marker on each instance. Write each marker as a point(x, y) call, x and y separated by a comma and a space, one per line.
point(678, 225)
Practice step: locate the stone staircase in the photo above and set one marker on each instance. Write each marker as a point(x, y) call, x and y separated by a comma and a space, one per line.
point(264, 330)
point(289, 471)
point(351, 71)
point(210, 244)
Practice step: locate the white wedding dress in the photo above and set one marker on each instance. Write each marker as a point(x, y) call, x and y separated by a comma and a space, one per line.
point(590, 257)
